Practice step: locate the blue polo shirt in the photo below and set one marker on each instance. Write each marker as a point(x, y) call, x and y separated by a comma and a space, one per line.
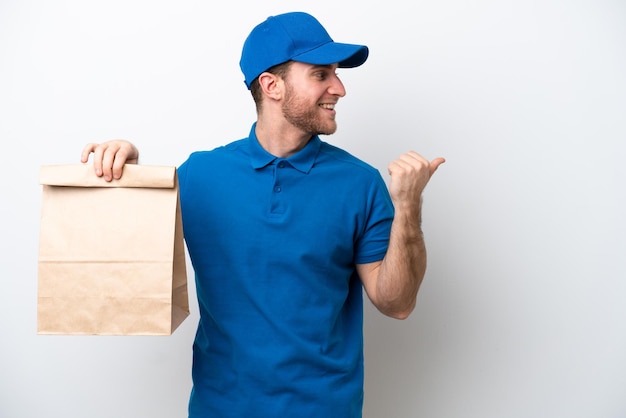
point(274, 243)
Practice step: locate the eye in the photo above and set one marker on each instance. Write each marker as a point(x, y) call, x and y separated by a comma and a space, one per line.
point(324, 73)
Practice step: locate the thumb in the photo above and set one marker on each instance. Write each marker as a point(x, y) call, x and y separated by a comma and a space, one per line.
point(434, 164)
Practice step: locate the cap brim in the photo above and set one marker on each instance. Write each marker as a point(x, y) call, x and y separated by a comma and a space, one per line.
point(346, 55)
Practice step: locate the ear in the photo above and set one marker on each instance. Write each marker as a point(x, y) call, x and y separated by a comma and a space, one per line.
point(272, 85)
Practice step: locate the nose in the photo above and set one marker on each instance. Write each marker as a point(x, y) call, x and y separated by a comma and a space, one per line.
point(336, 87)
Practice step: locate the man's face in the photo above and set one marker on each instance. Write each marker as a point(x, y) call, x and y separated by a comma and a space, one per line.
point(311, 92)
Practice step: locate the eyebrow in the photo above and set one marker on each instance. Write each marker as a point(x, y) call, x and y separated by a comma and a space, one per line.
point(325, 66)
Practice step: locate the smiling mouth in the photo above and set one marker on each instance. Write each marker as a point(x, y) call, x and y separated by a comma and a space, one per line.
point(328, 106)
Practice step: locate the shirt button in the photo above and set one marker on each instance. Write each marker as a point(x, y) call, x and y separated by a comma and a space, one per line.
point(281, 164)
point(277, 189)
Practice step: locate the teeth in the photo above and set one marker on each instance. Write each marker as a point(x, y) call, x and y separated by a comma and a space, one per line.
point(327, 106)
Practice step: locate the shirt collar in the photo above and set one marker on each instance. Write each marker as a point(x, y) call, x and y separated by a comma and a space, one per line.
point(302, 161)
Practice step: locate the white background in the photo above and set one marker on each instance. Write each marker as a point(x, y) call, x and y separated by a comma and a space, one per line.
point(523, 310)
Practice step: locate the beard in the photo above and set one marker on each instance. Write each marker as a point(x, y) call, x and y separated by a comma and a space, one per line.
point(304, 116)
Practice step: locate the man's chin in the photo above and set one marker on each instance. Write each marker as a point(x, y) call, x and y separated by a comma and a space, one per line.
point(328, 131)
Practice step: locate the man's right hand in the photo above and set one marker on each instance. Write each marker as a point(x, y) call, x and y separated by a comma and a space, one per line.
point(109, 157)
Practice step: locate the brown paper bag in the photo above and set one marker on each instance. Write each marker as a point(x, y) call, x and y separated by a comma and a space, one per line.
point(111, 254)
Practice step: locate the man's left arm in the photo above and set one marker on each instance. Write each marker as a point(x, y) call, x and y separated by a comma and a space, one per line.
point(392, 284)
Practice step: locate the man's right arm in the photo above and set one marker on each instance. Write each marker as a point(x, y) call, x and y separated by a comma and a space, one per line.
point(109, 157)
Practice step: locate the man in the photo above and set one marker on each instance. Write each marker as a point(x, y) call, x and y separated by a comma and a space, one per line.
point(283, 232)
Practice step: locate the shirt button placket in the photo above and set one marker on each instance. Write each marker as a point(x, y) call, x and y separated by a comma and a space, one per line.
point(277, 205)
point(277, 188)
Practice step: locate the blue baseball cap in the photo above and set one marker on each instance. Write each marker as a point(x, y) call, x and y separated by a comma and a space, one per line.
point(296, 36)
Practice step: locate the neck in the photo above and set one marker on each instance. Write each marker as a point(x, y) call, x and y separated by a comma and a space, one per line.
point(281, 139)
